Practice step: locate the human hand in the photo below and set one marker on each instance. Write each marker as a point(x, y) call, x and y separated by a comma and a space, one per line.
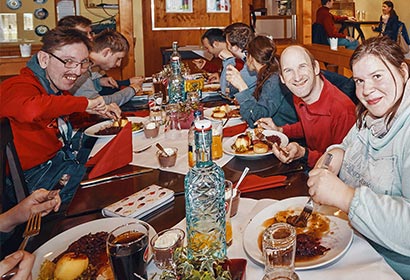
point(40, 201)
point(289, 153)
point(137, 80)
point(267, 123)
point(213, 78)
point(351, 39)
point(326, 188)
point(113, 111)
point(96, 106)
point(337, 160)
point(25, 262)
point(225, 54)
point(352, 18)
point(234, 77)
point(199, 63)
point(108, 82)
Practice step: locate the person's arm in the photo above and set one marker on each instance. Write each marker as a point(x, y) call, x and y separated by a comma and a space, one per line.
point(21, 259)
point(40, 200)
point(120, 97)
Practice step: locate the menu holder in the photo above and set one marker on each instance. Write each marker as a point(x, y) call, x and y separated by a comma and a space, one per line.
point(140, 203)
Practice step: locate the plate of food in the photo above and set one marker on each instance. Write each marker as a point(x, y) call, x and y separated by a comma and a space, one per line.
point(110, 128)
point(88, 239)
point(254, 143)
point(324, 240)
point(222, 112)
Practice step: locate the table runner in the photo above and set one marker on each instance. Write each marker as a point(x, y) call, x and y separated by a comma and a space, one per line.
point(361, 261)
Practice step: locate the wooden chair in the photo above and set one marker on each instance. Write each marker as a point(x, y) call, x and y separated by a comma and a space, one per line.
point(8, 155)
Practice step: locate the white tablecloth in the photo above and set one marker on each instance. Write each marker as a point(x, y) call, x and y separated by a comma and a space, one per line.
point(361, 261)
point(148, 158)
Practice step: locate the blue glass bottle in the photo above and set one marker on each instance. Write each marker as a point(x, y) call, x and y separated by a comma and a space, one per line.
point(205, 199)
point(176, 86)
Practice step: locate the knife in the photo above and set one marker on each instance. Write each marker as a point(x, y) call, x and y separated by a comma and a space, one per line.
point(87, 183)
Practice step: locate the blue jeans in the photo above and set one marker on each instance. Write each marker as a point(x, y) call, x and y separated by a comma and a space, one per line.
point(351, 45)
point(48, 174)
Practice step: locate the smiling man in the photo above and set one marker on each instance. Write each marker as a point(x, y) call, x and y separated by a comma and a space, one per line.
point(38, 104)
point(325, 113)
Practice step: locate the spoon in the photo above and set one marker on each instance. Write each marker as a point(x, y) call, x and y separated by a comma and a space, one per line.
point(158, 145)
point(244, 173)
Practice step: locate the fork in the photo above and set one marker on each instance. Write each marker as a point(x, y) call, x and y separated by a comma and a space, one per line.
point(32, 229)
point(301, 221)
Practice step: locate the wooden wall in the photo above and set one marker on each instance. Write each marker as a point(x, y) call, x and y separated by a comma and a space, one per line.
point(199, 19)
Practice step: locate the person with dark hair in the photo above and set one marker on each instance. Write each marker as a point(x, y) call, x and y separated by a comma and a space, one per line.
point(238, 35)
point(38, 105)
point(369, 176)
point(327, 20)
point(77, 22)
point(214, 41)
point(266, 99)
point(105, 85)
point(108, 50)
point(389, 21)
point(325, 113)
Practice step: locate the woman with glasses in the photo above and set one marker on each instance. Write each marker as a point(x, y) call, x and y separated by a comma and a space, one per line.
point(38, 105)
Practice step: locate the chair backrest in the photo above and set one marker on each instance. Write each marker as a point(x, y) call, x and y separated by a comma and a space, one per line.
point(8, 155)
point(319, 35)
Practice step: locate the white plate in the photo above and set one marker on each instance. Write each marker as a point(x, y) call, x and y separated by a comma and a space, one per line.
point(338, 242)
point(60, 243)
point(229, 142)
point(209, 111)
point(92, 130)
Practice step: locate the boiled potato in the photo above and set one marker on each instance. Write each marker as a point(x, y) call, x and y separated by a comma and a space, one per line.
point(70, 266)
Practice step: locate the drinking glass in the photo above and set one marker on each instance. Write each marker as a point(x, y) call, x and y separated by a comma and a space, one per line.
point(155, 107)
point(163, 245)
point(279, 249)
point(127, 249)
point(217, 130)
point(228, 207)
point(172, 125)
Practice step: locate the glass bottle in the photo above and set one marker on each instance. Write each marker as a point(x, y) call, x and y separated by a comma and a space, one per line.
point(176, 87)
point(205, 200)
point(191, 140)
point(175, 52)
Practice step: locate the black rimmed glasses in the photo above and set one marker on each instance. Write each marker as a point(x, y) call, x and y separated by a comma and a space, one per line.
point(71, 64)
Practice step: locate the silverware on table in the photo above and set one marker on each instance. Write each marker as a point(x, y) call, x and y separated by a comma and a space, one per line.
point(32, 229)
point(302, 220)
point(142, 149)
point(89, 183)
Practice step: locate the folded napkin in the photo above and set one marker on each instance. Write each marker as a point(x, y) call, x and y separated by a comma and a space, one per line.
point(253, 183)
point(139, 113)
point(116, 154)
point(235, 129)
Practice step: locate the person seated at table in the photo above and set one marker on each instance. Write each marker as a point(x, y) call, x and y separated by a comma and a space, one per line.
point(38, 105)
point(327, 20)
point(325, 113)
point(215, 43)
point(107, 85)
point(238, 35)
point(389, 21)
point(267, 99)
point(108, 50)
point(40, 200)
point(369, 177)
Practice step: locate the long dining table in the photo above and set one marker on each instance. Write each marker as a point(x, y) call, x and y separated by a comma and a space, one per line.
point(360, 260)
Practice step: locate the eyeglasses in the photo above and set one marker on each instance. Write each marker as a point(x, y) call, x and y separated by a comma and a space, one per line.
point(71, 64)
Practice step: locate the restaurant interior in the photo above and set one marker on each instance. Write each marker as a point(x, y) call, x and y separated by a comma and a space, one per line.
point(151, 26)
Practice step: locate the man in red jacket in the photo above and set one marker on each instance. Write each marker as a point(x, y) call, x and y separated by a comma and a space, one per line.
point(327, 20)
point(325, 113)
point(38, 104)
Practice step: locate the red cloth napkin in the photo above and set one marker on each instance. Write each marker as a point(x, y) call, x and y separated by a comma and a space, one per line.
point(253, 183)
point(139, 113)
point(235, 129)
point(116, 154)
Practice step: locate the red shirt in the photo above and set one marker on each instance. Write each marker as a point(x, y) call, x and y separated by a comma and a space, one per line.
point(325, 18)
point(32, 113)
point(323, 123)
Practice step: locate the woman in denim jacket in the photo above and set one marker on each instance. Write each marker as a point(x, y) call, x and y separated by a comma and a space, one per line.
point(267, 99)
point(373, 162)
